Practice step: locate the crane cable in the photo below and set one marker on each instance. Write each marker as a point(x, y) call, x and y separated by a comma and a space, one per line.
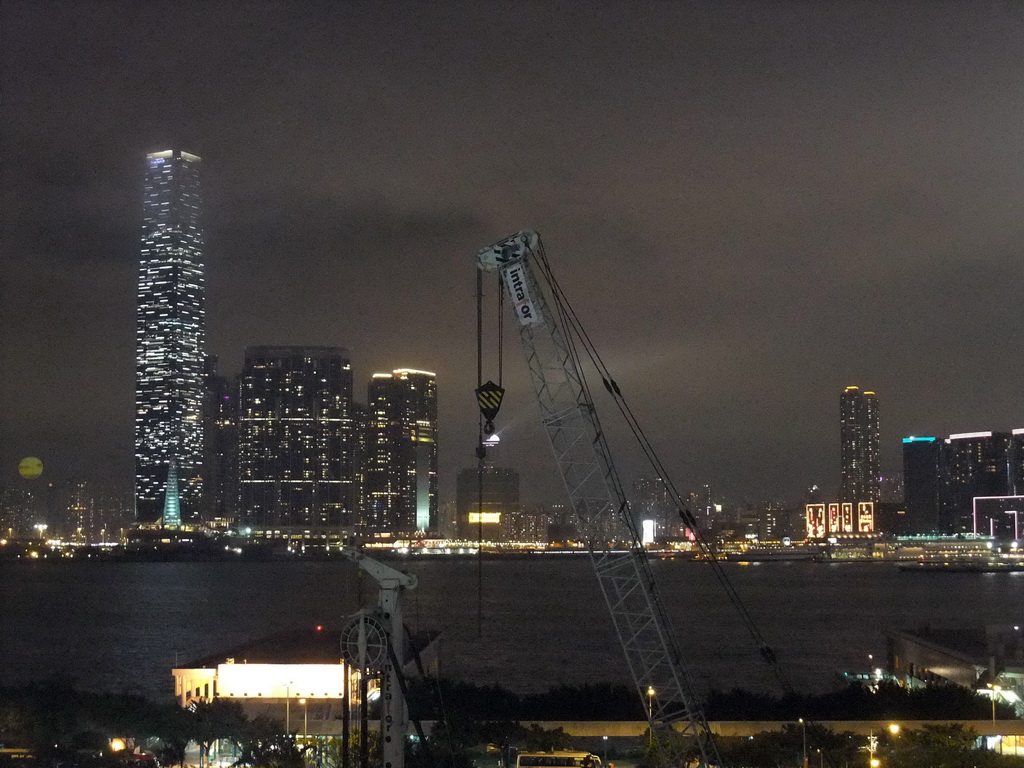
point(484, 424)
point(480, 453)
point(573, 324)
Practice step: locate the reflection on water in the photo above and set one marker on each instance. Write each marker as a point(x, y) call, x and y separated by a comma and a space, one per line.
point(122, 626)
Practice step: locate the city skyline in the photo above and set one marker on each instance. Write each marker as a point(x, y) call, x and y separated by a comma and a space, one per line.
point(751, 207)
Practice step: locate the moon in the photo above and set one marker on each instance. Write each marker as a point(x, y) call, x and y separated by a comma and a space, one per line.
point(30, 468)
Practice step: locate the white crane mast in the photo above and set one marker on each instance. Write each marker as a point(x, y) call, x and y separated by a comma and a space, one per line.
point(652, 652)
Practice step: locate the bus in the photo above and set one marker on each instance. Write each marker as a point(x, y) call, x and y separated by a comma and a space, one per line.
point(559, 758)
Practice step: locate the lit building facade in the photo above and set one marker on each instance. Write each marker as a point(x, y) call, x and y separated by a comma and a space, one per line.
point(170, 339)
point(297, 678)
point(977, 464)
point(858, 435)
point(971, 482)
point(96, 512)
point(400, 474)
point(487, 503)
point(295, 441)
point(651, 501)
point(840, 519)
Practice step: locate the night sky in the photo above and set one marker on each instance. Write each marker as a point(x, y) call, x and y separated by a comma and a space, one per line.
point(751, 205)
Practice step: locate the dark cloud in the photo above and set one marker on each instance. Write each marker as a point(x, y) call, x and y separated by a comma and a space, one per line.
point(752, 205)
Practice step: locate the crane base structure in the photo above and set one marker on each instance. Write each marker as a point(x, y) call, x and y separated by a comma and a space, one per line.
point(375, 640)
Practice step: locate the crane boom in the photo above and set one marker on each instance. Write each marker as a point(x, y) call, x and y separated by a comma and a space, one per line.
point(596, 495)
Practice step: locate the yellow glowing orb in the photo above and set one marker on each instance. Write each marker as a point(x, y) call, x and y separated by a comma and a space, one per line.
point(30, 468)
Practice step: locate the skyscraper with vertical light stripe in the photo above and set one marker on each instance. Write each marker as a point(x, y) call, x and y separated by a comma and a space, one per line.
point(858, 437)
point(170, 341)
point(400, 472)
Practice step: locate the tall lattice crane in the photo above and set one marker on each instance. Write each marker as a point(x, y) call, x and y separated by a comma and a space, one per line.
point(595, 492)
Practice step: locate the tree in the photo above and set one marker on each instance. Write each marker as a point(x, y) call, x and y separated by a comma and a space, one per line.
point(949, 745)
point(216, 720)
point(262, 744)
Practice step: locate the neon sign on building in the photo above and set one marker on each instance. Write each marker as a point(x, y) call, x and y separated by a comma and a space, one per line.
point(834, 519)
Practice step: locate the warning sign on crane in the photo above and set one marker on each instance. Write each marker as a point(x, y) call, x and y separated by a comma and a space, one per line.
point(489, 396)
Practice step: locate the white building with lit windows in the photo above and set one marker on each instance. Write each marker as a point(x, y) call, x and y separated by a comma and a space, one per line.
point(298, 678)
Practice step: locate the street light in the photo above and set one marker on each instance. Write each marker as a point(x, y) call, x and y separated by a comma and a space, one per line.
point(305, 719)
point(995, 692)
point(650, 711)
point(872, 748)
point(288, 707)
point(803, 727)
point(605, 739)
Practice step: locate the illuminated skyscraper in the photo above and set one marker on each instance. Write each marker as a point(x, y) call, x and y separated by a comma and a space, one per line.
point(295, 441)
point(858, 430)
point(401, 461)
point(652, 501)
point(170, 337)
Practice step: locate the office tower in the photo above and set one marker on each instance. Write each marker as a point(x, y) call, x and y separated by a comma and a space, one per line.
point(922, 472)
point(976, 473)
point(295, 441)
point(487, 503)
point(220, 449)
point(170, 336)
point(360, 455)
point(1017, 461)
point(858, 425)
point(401, 469)
point(487, 498)
point(651, 501)
point(96, 511)
point(969, 482)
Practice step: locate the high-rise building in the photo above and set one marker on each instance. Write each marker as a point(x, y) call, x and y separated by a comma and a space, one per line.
point(970, 482)
point(220, 450)
point(922, 473)
point(170, 337)
point(295, 441)
point(487, 503)
point(652, 501)
point(96, 511)
point(858, 435)
point(401, 453)
point(977, 482)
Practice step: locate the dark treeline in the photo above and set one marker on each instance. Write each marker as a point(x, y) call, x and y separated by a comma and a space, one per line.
point(62, 725)
point(857, 702)
point(434, 699)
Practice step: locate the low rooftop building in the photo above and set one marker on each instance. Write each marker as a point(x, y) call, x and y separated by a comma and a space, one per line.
point(298, 677)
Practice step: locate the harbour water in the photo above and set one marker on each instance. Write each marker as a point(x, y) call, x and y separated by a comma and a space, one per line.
point(534, 623)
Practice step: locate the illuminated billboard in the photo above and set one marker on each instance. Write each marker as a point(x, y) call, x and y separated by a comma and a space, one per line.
point(278, 681)
point(846, 524)
point(866, 517)
point(484, 518)
point(815, 521)
point(840, 518)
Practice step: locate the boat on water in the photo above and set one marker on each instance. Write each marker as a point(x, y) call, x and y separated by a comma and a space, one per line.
point(963, 566)
point(774, 554)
